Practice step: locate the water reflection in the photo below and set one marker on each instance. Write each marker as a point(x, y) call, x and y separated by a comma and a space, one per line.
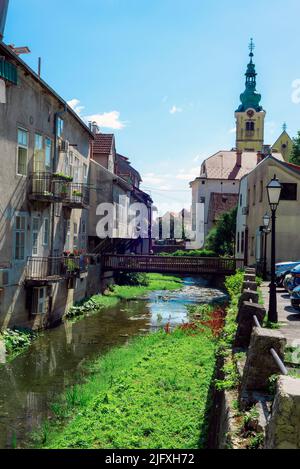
point(56, 360)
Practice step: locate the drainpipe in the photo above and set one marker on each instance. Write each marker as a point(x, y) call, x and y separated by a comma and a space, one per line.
point(54, 166)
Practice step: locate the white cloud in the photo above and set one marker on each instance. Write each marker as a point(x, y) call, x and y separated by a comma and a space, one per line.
point(74, 104)
point(188, 175)
point(197, 158)
point(175, 110)
point(232, 131)
point(107, 120)
point(295, 97)
point(152, 179)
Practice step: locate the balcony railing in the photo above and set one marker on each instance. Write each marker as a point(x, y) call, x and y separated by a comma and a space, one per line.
point(46, 187)
point(47, 270)
point(76, 195)
point(8, 71)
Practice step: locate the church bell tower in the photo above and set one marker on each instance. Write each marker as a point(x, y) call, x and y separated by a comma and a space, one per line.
point(250, 116)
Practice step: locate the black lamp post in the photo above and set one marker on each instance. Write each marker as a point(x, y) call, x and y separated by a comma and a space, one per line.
point(274, 191)
point(266, 221)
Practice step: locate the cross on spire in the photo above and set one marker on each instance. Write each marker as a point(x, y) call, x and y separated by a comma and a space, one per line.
point(251, 47)
point(284, 127)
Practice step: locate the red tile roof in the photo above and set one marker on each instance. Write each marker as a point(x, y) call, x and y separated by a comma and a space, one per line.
point(103, 143)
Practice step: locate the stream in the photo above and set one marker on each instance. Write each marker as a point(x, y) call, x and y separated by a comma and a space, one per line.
point(57, 359)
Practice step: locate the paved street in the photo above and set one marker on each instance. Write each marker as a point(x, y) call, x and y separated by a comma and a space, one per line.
point(288, 316)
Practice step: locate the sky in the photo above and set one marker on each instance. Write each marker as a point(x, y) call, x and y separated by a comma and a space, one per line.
point(165, 75)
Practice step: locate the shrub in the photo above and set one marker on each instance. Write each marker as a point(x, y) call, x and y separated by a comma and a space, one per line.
point(131, 279)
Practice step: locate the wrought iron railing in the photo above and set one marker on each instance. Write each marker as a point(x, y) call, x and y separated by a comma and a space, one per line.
point(45, 186)
point(77, 195)
point(54, 268)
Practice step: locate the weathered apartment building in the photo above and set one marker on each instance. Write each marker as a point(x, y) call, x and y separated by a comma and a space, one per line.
point(54, 172)
point(44, 197)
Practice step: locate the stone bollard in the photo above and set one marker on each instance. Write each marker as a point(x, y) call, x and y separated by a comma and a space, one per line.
point(248, 295)
point(283, 431)
point(246, 322)
point(249, 278)
point(260, 364)
point(250, 270)
point(249, 286)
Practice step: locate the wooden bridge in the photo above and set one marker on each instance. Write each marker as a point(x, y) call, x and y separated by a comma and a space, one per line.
point(172, 265)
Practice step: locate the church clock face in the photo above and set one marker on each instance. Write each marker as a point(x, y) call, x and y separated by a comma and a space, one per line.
point(250, 113)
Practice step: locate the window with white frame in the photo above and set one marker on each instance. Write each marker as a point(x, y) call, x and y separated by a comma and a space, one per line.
point(76, 170)
point(46, 232)
point(75, 236)
point(60, 127)
point(20, 237)
point(48, 154)
point(39, 301)
point(85, 173)
point(22, 152)
point(68, 235)
point(35, 235)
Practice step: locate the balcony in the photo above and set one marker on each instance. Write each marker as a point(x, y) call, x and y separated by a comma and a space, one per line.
point(8, 71)
point(44, 187)
point(76, 195)
point(52, 188)
point(42, 271)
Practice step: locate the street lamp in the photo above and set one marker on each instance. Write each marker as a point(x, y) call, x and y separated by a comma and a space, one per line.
point(266, 231)
point(274, 191)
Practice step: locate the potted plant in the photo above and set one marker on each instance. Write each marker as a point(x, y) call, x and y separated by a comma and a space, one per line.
point(64, 191)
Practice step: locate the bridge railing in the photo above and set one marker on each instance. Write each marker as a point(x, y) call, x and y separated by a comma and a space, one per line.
point(144, 263)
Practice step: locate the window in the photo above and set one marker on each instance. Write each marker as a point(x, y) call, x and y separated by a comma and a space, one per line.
point(22, 152)
point(261, 191)
point(39, 155)
point(68, 235)
point(76, 170)
point(35, 236)
point(243, 243)
point(46, 232)
point(289, 191)
point(241, 200)
point(254, 194)
point(83, 234)
point(48, 154)
point(39, 301)
point(20, 226)
point(60, 127)
point(250, 126)
point(238, 243)
point(75, 236)
point(85, 172)
point(252, 245)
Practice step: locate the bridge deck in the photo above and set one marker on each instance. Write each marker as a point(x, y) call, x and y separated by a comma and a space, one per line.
point(168, 264)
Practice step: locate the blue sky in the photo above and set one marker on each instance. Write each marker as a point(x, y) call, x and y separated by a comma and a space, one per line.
point(165, 74)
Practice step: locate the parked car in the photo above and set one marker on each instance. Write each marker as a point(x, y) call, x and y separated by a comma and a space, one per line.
point(295, 280)
point(295, 298)
point(283, 269)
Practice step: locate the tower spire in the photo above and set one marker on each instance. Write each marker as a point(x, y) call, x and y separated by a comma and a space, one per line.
point(250, 98)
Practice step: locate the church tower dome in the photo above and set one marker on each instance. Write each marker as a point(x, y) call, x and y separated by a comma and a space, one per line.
point(250, 115)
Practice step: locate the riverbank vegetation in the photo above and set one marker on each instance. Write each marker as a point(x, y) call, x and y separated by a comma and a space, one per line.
point(131, 287)
point(154, 393)
point(191, 253)
point(16, 342)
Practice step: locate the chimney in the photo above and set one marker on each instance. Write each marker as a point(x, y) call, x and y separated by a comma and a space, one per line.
point(239, 158)
point(94, 128)
point(3, 13)
point(260, 157)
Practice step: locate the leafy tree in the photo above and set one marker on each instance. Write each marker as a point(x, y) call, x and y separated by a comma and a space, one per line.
point(295, 155)
point(221, 239)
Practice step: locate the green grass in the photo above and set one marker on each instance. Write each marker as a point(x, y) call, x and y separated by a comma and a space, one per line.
point(151, 394)
point(156, 282)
